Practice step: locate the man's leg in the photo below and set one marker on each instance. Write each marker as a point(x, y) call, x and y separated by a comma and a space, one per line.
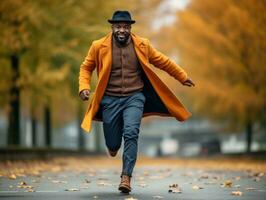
point(112, 122)
point(132, 115)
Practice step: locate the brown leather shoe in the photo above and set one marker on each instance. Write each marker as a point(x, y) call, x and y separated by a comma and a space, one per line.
point(112, 153)
point(124, 186)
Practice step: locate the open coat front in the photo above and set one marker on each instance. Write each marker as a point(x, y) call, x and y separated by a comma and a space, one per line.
point(159, 99)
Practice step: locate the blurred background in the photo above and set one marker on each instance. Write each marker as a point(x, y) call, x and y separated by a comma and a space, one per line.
point(221, 44)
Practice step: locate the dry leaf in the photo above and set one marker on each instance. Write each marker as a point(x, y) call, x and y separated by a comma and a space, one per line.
point(58, 181)
point(12, 176)
point(257, 179)
point(204, 176)
point(25, 186)
point(196, 187)
point(216, 177)
point(236, 193)
point(30, 190)
point(130, 198)
point(250, 188)
point(87, 181)
point(72, 189)
point(22, 183)
point(174, 188)
point(227, 184)
point(258, 174)
point(188, 174)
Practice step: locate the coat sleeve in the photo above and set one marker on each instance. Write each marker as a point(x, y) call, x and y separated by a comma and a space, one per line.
point(162, 62)
point(86, 69)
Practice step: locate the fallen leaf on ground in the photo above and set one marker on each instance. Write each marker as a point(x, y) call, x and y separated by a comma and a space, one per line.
point(130, 198)
point(216, 177)
point(257, 179)
point(174, 188)
point(250, 188)
point(12, 176)
point(87, 181)
point(30, 190)
point(58, 181)
point(204, 176)
point(258, 174)
point(22, 183)
point(227, 184)
point(72, 189)
point(236, 193)
point(188, 174)
point(196, 187)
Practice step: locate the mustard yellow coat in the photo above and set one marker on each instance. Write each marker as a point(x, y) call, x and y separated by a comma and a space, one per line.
point(159, 99)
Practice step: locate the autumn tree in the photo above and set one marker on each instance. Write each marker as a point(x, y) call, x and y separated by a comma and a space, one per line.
point(42, 46)
point(223, 47)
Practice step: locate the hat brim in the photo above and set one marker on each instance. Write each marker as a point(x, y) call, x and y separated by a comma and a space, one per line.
point(117, 21)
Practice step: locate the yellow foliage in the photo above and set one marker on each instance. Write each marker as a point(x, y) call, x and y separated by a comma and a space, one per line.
point(223, 45)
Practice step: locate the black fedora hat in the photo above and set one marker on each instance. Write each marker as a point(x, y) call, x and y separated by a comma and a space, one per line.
point(121, 16)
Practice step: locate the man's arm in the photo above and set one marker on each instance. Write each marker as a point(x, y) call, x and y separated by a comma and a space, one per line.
point(86, 69)
point(162, 62)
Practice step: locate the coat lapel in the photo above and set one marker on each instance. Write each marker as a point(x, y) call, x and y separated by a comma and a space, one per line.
point(105, 55)
point(140, 48)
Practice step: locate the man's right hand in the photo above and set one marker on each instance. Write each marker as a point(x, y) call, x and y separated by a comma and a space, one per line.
point(84, 94)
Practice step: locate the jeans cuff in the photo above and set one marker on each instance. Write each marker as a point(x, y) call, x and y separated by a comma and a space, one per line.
point(124, 173)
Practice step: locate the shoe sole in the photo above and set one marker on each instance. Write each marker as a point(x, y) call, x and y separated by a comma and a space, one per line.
point(124, 189)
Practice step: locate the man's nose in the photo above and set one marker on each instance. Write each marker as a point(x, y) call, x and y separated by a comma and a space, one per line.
point(122, 30)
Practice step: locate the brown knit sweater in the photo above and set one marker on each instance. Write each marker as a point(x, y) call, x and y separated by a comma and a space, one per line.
point(125, 76)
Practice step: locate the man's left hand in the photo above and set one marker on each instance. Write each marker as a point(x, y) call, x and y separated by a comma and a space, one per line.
point(189, 82)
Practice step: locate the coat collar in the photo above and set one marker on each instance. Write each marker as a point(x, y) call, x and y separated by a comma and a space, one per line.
point(138, 42)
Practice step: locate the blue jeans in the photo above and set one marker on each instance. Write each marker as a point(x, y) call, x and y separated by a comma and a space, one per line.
point(121, 119)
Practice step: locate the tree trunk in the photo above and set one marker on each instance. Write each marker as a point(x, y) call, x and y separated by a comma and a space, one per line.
point(33, 131)
point(14, 104)
point(47, 126)
point(249, 131)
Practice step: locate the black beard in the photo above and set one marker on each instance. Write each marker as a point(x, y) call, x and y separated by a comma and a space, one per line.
point(121, 42)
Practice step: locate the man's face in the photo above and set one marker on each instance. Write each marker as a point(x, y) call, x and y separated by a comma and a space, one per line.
point(121, 32)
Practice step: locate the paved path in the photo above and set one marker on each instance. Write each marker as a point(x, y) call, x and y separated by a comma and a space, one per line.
point(148, 183)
